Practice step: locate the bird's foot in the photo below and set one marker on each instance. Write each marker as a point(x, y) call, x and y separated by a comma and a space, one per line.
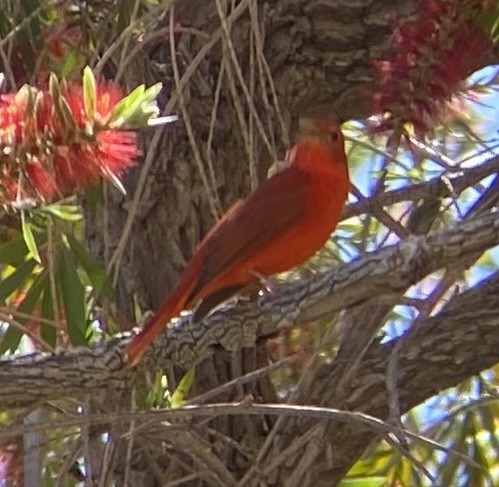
point(269, 283)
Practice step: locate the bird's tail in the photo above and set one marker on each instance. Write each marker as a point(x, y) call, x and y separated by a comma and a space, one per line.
point(153, 327)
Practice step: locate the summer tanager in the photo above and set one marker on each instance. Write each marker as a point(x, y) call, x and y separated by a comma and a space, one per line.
point(279, 226)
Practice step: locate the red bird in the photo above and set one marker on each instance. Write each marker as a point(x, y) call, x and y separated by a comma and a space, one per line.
point(279, 226)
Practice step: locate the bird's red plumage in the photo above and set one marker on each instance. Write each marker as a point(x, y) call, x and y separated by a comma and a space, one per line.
point(279, 226)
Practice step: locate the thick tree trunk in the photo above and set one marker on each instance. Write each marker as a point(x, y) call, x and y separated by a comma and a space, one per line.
point(239, 74)
point(319, 55)
point(271, 62)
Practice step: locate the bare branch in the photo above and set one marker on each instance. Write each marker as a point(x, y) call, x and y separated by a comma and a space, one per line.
point(435, 188)
point(441, 352)
point(30, 379)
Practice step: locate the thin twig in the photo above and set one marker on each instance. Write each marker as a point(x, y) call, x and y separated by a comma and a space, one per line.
point(244, 379)
point(391, 381)
point(151, 152)
point(404, 450)
point(7, 68)
point(85, 433)
point(225, 23)
point(124, 34)
point(237, 104)
point(24, 22)
point(130, 446)
point(382, 216)
point(210, 191)
point(7, 311)
point(433, 188)
point(238, 409)
point(257, 24)
point(52, 271)
point(126, 41)
point(26, 331)
point(211, 132)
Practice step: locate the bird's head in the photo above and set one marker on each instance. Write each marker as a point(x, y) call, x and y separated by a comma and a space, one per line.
point(322, 130)
point(319, 141)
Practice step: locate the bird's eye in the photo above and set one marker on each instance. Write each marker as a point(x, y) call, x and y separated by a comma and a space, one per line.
point(334, 136)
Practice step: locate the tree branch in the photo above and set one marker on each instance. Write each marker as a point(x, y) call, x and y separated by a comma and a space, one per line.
point(24, 381)
point(442, 351)
point(435, 188)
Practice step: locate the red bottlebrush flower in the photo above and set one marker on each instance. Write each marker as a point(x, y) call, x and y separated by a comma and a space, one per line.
point(117, 150)
point(11, 461)
point(41, 179)
point(50, 148)
point(107, 96)
point(11, 121)
point(431, 58)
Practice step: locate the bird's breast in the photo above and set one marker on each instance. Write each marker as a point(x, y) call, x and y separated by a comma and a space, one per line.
point(328, 194)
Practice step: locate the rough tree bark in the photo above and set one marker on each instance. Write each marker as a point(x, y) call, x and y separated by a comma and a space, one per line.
point(315, 57)
point(294, 57)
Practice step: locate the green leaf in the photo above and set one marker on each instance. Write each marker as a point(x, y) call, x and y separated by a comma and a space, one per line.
point(48, 477)
point(48, 333)
point(13, 252)
point(365, 482)
point(73, 297)
point(156, 394)
point(15, 280)
point(89, 92)
point(128, 104)
point(137, 108)
point(178, 397)
point(13, 335)
point(152, 92)
point(124, 15)
point(29, 7)
point(61, 106)
point(29, 238)
point(69, 213)
point(70, 63)
point(95, 272)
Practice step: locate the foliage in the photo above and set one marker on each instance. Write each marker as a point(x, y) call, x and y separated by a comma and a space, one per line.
point(60, 134)
point(445, 43)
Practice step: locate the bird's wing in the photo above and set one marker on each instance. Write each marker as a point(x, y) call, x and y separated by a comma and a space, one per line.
point(252, 224)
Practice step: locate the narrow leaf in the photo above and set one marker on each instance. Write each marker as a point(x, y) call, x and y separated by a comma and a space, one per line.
point(153, 122)
point(89, 92)
point(16, 280)
point(73, 297)
point(126, 107)
point(363, 482)
point(95, 272)
point(13, 252)
point(70, 63)
point(156, 393)
point(178, 397)
point(29, 238)
point(114, 181)
point(13, 335)
point(48, 333)
point(152, 92)
point(69, 213)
